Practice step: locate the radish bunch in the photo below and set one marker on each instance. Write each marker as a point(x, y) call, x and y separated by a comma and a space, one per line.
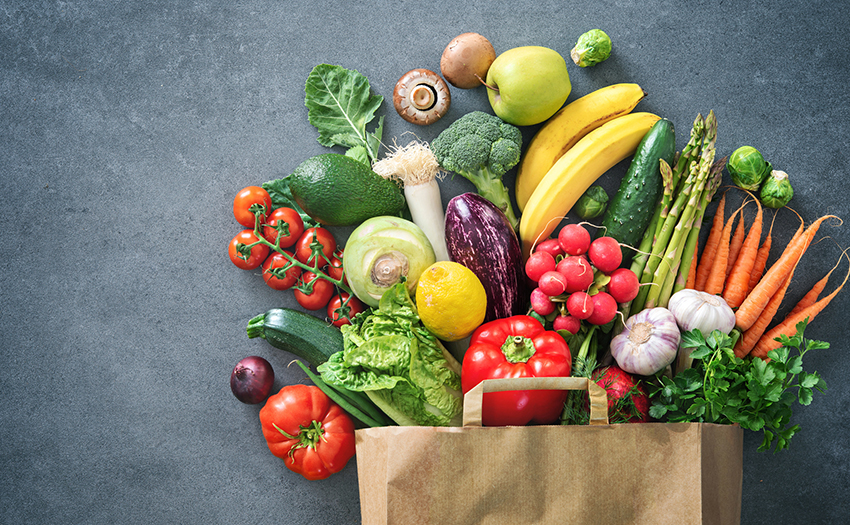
point(579, 279)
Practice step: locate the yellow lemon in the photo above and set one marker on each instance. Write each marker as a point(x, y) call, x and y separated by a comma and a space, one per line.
point(451, 300)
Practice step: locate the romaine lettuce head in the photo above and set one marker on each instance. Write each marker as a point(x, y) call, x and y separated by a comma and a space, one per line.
point(399, 364)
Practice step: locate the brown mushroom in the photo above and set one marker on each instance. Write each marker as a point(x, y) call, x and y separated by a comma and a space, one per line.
point(421, 97)
point(466, 59)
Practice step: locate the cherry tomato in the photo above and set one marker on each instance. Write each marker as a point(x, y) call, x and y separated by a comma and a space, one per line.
point(320, 295)
point(304, 247)
point(334, 268)
point(254, 258)
point(288, 218)
point(278, 260)
point(246, 198)
point(339, 314)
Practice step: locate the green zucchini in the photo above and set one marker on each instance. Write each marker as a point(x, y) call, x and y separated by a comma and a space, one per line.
point(631, 209)
point(298, 333)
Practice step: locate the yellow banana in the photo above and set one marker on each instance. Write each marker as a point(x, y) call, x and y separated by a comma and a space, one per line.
point(576, 170)
point(566, 127)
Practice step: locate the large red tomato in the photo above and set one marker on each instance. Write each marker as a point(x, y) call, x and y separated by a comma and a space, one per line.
point(309, 432)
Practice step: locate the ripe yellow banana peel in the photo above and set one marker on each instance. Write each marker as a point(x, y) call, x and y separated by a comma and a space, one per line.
point(577, 170)
point(562, 131)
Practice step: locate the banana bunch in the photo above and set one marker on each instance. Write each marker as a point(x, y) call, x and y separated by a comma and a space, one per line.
point(576, 170)
point(566, 127)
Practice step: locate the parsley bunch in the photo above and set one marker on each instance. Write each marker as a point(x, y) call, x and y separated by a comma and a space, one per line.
point(757, 394)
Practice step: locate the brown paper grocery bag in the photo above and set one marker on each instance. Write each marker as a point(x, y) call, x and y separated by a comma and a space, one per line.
point(658, 473)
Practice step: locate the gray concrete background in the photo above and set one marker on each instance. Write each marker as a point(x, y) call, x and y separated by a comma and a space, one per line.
point(126, 129)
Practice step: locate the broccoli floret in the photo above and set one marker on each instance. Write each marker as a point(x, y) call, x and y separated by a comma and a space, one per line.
point(481, 147)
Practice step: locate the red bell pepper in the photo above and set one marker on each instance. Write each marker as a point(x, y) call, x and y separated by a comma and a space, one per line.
point(517, 346)
point(307, 430)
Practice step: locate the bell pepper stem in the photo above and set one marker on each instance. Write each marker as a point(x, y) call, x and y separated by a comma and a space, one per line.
point(518, 349)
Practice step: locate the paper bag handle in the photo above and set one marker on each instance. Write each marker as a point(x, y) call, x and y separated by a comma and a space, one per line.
point(473, 400)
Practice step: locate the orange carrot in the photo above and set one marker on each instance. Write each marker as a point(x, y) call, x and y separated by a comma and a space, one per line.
point(717, 276)
point(750, 337)
point(709, 252)
point(812, 296)
point(735, 245)
point(737, 282)
point(773, 279)
point(761, 258)
point(692, 271)
point(788, 326)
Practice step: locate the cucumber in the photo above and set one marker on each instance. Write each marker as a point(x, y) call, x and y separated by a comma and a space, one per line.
point(300, 334)
point(631, 209)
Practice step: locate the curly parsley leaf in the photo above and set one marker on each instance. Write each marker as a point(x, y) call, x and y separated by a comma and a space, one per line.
point(755, 393)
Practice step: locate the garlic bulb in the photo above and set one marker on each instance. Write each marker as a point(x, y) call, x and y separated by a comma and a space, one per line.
point(702, 310)
point(648, 343)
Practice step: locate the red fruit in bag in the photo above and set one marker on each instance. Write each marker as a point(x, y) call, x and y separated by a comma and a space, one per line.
point(628, 401)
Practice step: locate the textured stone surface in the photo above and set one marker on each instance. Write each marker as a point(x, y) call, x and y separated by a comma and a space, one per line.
point(126, 129)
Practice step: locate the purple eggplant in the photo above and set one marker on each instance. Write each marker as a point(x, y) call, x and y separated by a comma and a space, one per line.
point(480, 237)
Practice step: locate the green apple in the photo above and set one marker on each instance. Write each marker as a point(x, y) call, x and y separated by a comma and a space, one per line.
point(527, 85)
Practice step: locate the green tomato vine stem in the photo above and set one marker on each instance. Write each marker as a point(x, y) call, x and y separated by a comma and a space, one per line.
point(317, 254)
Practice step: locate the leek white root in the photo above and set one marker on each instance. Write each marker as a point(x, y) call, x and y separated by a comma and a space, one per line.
point(418, 170)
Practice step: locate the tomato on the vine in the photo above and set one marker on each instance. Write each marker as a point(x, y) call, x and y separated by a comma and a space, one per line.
point(278, 260)
point(334, 268)
point(339, 314)
point(288, 219)
point(245, 199)
point(304, 247)
point(243, 257)
point(318, 297)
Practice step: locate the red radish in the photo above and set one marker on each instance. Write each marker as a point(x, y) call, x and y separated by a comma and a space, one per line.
point(574, 239)
point(580, 305)
point(624, 285)
point(568, 323)
point(605, 254)
point(552, 283)
point(539, 263)
point(627, 399)
point(550, 245)
point(604, 309)
point(540, 302)
point(578, 272)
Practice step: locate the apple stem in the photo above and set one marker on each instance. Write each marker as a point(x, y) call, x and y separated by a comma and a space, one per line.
point(488, 86)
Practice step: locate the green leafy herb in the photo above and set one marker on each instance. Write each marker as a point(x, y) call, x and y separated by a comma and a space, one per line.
point(340, 104)
point(584, 363)
point(757, 394)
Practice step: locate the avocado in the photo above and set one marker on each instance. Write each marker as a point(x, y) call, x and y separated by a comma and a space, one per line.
point(337, 190)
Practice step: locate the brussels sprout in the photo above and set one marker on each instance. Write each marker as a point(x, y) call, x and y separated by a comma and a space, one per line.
point(776, 191)
point(748, 168)
point(592, 204)
point(592, 48)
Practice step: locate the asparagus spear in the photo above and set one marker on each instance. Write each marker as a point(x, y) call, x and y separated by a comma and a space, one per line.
point(668, 266)
point(689, 154)
point(693, 237)
point(683, 209)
